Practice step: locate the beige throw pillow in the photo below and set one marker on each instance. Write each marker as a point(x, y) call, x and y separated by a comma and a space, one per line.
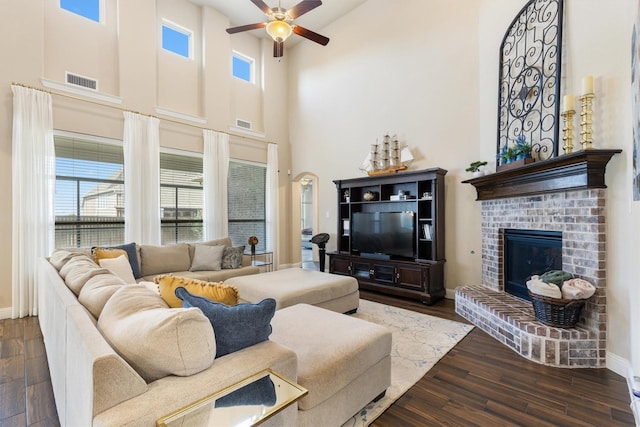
point(120, 267)
point(155, 340)
point(207, 258)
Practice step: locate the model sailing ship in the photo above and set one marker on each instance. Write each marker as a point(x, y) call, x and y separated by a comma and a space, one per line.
point(388, 158)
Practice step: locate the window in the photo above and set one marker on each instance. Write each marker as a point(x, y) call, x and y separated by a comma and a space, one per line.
point(89, 198)
point(242, 67)
point(89, 9)
point(181, 198)
point(176, 39)
point(246, 186)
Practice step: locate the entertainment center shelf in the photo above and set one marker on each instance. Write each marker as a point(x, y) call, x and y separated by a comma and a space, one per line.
point(391, 233)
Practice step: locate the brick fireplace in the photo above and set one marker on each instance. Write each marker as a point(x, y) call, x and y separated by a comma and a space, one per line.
point(566, 195)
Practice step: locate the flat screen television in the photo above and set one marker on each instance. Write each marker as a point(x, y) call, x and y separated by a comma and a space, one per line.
point(388, 234)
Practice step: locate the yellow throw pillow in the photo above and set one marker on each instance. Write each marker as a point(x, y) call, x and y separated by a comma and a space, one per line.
point(102, 253)
point(216, 291)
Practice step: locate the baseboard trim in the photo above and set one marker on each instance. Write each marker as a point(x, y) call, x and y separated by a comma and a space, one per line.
point(618, 364)
point(450, 294)
point(5, 313)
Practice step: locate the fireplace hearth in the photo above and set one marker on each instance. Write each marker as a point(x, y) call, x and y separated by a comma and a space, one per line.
point(563, 199)
point(528, 253)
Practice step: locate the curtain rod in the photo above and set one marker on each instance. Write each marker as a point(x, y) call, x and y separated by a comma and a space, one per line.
point(137, 112)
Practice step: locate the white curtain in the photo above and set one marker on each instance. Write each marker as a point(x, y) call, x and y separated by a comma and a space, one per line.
point(33, 182)
point(271, 196)
point(215, 168)
point(141, 146)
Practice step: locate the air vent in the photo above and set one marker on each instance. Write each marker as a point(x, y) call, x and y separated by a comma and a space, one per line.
point(243, 124)
point(81, 81)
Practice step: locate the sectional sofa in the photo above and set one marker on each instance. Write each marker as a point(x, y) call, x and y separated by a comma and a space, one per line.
point(98, 381)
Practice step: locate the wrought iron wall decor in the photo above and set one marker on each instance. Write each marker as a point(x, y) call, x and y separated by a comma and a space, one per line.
point(529, 79)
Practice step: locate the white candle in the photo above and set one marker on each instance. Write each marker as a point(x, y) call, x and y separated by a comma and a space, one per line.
point(587, 85)
point(568, 102)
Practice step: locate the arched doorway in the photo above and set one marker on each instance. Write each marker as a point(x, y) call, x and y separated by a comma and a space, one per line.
point(306, 207)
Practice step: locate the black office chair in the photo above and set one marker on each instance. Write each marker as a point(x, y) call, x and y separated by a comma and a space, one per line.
point(321, 240)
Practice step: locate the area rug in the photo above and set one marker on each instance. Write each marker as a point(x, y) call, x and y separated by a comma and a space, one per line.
point(418, 342)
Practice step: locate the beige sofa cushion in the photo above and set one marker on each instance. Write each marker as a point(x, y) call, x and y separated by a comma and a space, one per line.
point(97, 291)
point(164, 259)
point(155, 340)
point(78, 277)
point(218, 292)
point(61, 256)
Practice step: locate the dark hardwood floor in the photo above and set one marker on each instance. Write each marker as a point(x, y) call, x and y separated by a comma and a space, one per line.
point(478, 383)
point(481, 382)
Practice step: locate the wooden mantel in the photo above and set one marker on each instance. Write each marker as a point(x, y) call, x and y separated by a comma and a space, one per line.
point(580, 170)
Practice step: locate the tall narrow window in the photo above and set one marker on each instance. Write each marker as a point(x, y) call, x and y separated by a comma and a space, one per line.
point(89, 9)
point(246, 187)
point(177, 39)
point(89, 199)
point(181, 198)
point(243, 67)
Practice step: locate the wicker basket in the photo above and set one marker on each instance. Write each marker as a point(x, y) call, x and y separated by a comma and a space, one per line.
point(560, 313)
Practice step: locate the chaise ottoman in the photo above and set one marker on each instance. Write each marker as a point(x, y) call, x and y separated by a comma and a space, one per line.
point(343, 361)
point(299, 286)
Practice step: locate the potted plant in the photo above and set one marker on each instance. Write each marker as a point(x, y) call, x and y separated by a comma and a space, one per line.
point(475, 167)
point(522, 148)
point(508, 155)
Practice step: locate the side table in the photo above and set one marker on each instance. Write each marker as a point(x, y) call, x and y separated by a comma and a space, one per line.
point(247, 403)
point(262, 259)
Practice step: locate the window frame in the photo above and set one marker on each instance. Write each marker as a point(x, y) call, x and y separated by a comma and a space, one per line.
point(178, 29)
point(101, 11)
point(79, 227)
point(177, 221)
point(246, 59)
point(262, 243)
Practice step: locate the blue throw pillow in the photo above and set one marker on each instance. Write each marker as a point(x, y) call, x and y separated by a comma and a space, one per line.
point(235, 326)
point(132, 253)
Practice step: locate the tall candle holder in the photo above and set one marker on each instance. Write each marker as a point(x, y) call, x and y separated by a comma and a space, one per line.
point(567, 130)
point(586, 120)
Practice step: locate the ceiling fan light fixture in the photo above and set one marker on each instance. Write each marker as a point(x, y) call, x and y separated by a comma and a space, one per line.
point(279, 30)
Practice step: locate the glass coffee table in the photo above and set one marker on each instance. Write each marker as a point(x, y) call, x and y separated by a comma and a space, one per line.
point(247, 403)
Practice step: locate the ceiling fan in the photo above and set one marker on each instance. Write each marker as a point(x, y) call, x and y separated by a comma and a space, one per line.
point(280, 24)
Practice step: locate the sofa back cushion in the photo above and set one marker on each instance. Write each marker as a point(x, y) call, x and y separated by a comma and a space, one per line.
point(164, 259)
point(60, 257)
point(97, 291)
point(155, 340)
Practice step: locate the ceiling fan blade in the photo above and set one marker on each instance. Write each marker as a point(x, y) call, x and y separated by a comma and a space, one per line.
point(303, 7)
point(308, 34)
point(262, 6)
point(278, 49)
point(246, 27)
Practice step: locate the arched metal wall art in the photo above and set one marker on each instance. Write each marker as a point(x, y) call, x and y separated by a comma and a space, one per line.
point(529, 80)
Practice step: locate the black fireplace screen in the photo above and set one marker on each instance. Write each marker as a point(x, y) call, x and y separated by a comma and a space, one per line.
point(527, 253)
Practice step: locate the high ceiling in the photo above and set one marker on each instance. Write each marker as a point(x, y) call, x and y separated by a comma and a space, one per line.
point(241, 12)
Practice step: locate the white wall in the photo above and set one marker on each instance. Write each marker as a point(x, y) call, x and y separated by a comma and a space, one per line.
point(41, 41)
point(417, 79)
point(433, 80)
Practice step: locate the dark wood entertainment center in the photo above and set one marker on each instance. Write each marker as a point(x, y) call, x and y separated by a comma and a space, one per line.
point(418, 192)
